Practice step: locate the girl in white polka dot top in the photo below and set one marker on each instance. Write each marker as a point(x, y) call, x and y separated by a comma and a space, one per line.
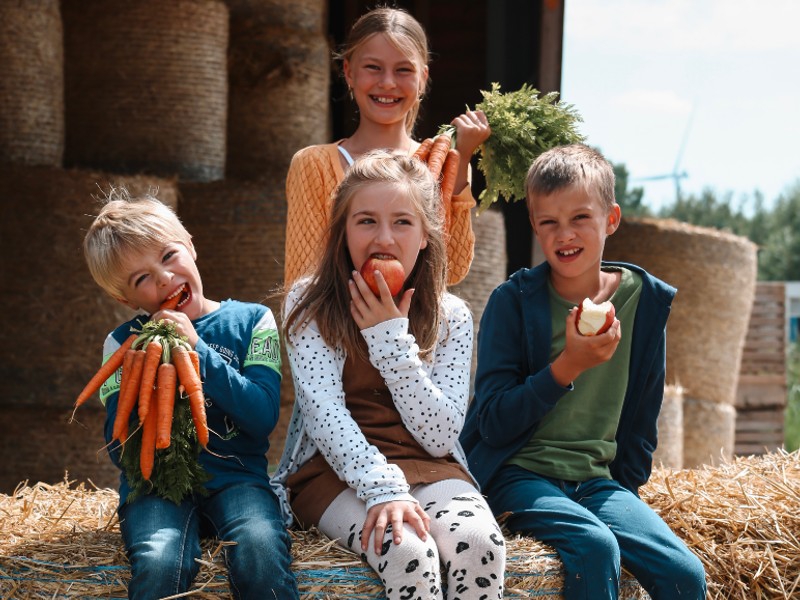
point(381, 382)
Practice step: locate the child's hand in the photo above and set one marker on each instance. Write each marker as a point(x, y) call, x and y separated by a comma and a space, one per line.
point(472, 129)
point(395, 514)
point(368, 309)
point(584, 352)
point(183, 324)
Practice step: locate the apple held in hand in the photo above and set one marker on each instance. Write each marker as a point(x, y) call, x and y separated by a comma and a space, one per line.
point(594, 319)
point(390, 268)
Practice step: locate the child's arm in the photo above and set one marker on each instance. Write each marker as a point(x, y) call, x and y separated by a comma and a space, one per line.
point(512, 394)
point(319, 395)
point(430, 396)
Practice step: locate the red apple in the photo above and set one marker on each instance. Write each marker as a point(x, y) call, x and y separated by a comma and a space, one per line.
point(594, 319)
point(391, 269)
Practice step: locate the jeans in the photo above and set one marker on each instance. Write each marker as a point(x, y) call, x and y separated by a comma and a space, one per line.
point(595, 526)
point(162, 540)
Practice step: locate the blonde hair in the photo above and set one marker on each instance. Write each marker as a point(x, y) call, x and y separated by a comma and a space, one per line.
point(326, 300)
point(573, 164)
point(403, 31)
point(128, 225)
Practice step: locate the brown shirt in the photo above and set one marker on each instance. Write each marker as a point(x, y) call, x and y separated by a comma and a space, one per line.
point(315, 485)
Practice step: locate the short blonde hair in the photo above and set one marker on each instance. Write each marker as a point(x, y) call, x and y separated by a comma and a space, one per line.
point(126, 225)
point(565, 166)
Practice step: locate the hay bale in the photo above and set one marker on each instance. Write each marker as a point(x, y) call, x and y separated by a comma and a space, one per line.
point(279, 84)
point(708, 433)
point(31, 83)
point(50, 300)
point(669, 452)
point(64, 539)
point(239, 231)
point(146, 86)
point(715, 273)
point(488, 268)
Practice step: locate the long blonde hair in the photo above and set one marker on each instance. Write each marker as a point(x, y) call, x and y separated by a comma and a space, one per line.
point(402, 30)
point(326, 299)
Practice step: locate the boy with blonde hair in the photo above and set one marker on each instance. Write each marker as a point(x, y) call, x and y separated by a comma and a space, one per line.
point(139, 252)
point(562, 429)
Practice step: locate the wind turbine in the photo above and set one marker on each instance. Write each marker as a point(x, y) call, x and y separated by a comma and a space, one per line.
point(677, 174)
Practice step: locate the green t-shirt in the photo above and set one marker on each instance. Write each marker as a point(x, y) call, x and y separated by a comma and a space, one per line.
point(576, 439)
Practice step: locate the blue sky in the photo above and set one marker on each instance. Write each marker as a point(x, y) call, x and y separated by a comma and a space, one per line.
point(722, 74)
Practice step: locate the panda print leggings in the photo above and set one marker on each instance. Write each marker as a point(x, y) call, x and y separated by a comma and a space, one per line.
point(465, 543)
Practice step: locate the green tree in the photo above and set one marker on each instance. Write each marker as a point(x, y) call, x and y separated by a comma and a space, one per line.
point(779, 258)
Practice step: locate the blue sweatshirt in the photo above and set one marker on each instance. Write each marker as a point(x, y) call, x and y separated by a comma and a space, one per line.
point(515, 389)
point(240, 368)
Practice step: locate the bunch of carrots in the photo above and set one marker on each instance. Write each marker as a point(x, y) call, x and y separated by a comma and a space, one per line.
point(157, 365)
point(442, 158)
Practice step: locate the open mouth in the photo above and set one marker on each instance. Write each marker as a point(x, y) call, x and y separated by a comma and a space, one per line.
point(178, 298)
point(385, 100)
point(570, 253)
point(381, 256)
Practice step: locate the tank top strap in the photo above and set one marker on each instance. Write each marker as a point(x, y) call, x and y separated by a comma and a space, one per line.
point(346, 155)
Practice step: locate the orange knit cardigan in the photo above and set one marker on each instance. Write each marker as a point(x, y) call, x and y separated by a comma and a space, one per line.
point(313, 175)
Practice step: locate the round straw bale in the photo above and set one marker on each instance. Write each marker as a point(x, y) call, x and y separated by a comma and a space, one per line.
point(146, 86)
point(715, 273)
point(31, 83)
point(488, 267)
point(238, 229)
point(708, 433)
point(669, 452)
point(294, 15)
point(49, 298)
point(279, 82)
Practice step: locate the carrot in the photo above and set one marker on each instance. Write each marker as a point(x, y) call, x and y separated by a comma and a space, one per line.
point(194, 389)
point(152, 358)
point(196, 363)
point(171, 303)
point(127, 401)
point(441, 144)
point(165, 395)
point(113, 363)
point(449, 174)
point(147, 454)
point(424, 150)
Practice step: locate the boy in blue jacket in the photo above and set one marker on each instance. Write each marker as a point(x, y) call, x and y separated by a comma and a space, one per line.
point(139, 252)
point(562, 428)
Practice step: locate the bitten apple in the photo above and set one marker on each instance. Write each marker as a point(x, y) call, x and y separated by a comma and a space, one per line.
point(594, 319)
point(390, 268)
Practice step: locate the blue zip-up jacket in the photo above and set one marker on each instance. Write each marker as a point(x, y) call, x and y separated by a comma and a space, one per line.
point(515, 389)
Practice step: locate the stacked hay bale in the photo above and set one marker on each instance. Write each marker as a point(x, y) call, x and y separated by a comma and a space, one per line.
point(55, 322)
point(488, 268)
point(146, 86)
point(31, 83)
point(715, 273)
point(669, 452)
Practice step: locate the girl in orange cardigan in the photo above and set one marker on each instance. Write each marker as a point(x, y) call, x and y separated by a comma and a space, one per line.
point(385, 63)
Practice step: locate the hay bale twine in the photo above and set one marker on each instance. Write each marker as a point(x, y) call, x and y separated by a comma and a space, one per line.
point(50, 301)
point(239, 230)
point(715, 273)
point(669, 452)
point(279, 84)
point(488, 268)
point(710, 439)
point(146, 86)
point(31, 83)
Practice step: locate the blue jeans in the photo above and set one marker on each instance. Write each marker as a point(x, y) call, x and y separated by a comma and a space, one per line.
point(595, 526)
point(162, 540)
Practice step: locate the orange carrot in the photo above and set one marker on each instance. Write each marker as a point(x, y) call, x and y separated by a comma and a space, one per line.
point(166, 380)
point(424, 150)
point(171, 303)
point(152, 358)
point(438, 154)
point(113, 363)
point(194, 389)
point(147, 454)
point(449, 174)
point(196, 363)
point(127, 401)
